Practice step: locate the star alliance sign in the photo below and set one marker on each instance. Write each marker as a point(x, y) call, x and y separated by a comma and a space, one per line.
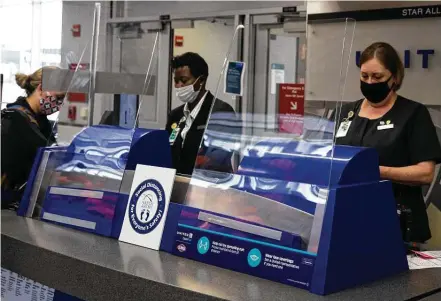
point(422, 11)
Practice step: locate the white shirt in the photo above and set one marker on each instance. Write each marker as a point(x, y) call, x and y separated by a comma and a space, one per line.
point(191, 116)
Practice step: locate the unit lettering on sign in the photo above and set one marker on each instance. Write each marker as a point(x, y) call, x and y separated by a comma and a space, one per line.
point(424, 53)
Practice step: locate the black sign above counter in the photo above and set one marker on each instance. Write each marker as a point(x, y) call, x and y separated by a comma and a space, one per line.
point(430, 11)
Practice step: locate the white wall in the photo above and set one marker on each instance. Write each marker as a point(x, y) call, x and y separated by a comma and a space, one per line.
point(323, 69)
point(211, 41)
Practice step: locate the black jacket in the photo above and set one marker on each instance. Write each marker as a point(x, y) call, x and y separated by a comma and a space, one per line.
point(22, 133)
point(184, 155)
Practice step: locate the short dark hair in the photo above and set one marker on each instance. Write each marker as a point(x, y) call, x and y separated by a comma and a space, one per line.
point(388, 57)
point(197, 65)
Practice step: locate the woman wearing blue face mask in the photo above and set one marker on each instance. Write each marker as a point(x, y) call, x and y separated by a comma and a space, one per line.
point(24, 129)
point(402, 132)
point(186, 124)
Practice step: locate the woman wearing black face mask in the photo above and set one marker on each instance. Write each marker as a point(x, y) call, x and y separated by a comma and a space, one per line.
point(400, 129)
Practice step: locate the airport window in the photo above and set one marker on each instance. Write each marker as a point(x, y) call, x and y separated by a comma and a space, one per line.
point(31, 38)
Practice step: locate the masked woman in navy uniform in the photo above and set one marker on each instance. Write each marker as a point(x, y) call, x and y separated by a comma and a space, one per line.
point(25, 128)
point(400, 129)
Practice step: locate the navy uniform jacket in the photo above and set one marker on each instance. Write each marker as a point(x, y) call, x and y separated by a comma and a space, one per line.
point(184, 155)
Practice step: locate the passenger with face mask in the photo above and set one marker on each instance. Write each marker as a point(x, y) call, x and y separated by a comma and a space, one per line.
point(402, 132)
point(186, 124)
point(24, 129)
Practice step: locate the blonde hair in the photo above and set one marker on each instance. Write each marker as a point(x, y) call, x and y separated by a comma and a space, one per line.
point(29, 82)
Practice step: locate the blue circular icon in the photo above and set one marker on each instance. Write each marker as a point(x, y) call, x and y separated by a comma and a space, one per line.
point(147, 206)
point(203, 245)
point(254, 258)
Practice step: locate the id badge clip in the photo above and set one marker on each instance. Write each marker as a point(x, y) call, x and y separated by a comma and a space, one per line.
point(344, 126)
point(176, 129)
point(174, 135)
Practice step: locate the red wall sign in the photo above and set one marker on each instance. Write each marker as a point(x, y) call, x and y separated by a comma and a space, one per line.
point(77, 97)
point(76, 30)
point(179, 41)
point(291, 101)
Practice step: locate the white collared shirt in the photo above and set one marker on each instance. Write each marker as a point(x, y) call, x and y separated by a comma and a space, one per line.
point(191, 116)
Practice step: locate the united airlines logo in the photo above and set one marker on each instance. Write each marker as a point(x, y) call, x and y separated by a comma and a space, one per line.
point(181, 248)
point(147, 206)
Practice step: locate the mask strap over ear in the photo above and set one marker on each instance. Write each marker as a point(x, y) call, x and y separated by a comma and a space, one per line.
point(200, 79)
point(393, 83)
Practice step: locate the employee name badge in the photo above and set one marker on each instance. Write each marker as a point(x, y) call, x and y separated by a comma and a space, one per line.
point(385, 125)
point(343, 129)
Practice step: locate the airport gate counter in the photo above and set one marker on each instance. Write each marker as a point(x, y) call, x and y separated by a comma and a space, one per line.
point(92, 267)
point(274, 208)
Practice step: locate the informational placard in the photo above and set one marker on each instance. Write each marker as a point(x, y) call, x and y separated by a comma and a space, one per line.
point(234, 77)
point(424, 260)
point(147, 206)
point(277, 76)
point(241, 255)
point(291, 104)
point(18, 288)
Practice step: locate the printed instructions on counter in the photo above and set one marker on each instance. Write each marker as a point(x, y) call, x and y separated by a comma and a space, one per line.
point(416, 262)
point(218, 247)
point(280, 263)
point(18, 288)
point(254, 256)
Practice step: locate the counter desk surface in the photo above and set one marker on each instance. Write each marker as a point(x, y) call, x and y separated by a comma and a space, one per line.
point(91, 267)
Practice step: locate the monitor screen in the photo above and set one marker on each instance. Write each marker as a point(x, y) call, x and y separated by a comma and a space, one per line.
point(128, 106)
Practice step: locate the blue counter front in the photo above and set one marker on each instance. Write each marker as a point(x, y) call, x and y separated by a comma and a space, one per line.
point(295, 212)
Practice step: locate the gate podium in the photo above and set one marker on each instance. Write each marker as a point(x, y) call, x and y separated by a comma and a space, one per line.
point(352, 238)
point(296, 209)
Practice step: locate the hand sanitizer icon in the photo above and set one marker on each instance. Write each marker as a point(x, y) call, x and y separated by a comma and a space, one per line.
point(203, 245)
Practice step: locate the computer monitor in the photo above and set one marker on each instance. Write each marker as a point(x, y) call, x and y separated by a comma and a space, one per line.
point(125, 109)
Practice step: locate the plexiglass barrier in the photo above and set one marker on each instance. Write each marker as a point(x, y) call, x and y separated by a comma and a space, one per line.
point(68, 81)
point(87, 175)
point(280, 183)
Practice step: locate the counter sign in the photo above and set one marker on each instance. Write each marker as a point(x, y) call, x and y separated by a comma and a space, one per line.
point(147, 207)
point(291, 103)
